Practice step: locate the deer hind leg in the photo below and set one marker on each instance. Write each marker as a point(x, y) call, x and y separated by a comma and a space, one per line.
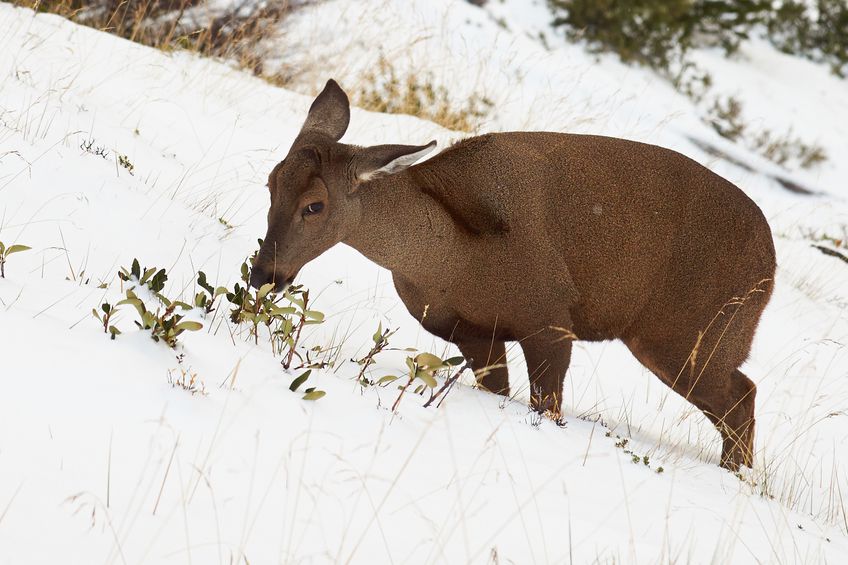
point(737, 422)
point(725, 395)
point(727, 399)
point(488, 360)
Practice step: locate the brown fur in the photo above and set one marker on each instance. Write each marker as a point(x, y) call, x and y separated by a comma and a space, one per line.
point(519, 236)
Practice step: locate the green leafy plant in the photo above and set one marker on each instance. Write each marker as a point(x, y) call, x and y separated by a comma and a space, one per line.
point(106, 317)
point(284, 316)
point(150, 277)
point(165, 325)
point(381, 341)
point(208, 294)
point(421, 371)
point(259, 308)
point(289, 329)
point(4, 255)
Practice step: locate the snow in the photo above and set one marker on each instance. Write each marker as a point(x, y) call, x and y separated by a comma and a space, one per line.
point(103, 460)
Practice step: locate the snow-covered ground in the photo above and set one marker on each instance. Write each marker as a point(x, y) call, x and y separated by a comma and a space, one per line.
point(103, 461)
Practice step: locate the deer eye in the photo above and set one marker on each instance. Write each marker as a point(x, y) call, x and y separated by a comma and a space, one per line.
point(313, 208)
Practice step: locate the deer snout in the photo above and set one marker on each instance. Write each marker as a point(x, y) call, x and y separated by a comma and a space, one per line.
point(260, 276)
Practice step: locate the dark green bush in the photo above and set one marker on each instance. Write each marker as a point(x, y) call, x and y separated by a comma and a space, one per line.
point(820, 34)
point(658, 32)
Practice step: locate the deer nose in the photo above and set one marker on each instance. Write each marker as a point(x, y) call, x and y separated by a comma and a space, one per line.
point(260, 276)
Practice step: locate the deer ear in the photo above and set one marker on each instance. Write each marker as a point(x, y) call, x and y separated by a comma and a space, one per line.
point(381, 160)
point(329, 113)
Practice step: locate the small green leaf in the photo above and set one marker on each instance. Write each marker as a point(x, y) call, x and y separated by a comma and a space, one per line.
point(138, 304)
point(454, 361)
point(314, 395)
point(16, 249)
point(314, 315)
point(378, 335)
point(427, 378)
point(387, 379)
point(189, 326)
point(281, 310)
point(264, 290)
point(203, 283)
point(295, 300)
point(429, 360)
point(295, 384)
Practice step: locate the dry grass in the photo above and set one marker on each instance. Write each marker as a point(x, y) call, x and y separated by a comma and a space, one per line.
point(232, 34)
point(382, 90)
point(237, 34)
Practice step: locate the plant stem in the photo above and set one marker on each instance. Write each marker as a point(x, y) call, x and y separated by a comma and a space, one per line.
point(402, 390)
point(448, 383)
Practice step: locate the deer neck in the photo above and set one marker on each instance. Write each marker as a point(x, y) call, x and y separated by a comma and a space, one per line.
point(402, 229)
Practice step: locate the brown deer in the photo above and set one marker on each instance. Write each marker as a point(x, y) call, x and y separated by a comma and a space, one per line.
point(542, 238)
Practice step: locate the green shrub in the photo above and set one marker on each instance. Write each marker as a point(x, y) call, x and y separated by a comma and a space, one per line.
point(421, 371)
point(381, 341)
point(658, 33)
point(164, 325)
point(820, 34)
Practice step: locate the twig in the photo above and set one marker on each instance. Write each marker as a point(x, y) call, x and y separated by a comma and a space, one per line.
point(403, 390)
point(831, 252)
point(448, 384)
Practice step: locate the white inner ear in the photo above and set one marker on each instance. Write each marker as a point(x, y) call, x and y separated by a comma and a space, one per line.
point(398, 164)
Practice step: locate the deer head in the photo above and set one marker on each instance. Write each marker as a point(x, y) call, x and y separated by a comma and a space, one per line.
point(315, 190)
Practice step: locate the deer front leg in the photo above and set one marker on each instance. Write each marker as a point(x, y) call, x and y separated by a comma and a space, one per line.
point(547, 356)
point(488, 360)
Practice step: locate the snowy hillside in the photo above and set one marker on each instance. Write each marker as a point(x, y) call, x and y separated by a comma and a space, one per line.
point(111, 151)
